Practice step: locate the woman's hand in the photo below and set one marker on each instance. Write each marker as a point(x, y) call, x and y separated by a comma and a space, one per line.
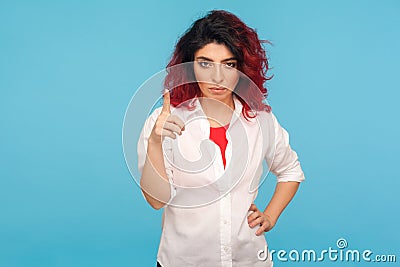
point(166, 124)
point(261, 219)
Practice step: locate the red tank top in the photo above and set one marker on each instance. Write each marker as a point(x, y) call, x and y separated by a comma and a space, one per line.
point(218, 136)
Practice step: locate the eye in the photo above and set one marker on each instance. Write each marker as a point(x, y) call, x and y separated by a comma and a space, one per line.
point(231, 64)
point(205, 64)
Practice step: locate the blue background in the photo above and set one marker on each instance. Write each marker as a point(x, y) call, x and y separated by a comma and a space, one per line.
point(69, 68)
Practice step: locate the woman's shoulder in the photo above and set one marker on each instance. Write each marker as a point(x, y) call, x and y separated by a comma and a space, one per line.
point(261, 115)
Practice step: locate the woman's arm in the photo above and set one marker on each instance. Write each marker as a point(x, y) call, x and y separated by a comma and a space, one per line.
point(284, 192)
point(285, 165)
point(154, 181)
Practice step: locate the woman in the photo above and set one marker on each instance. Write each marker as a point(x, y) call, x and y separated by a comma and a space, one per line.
point(209, 216)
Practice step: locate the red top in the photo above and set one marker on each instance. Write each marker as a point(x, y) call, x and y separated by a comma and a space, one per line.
point(218, 135)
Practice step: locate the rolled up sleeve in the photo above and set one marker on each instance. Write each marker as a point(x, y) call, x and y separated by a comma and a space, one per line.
point(285, 163)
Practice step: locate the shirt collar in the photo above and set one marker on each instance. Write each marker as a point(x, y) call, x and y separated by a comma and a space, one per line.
point(198, 109)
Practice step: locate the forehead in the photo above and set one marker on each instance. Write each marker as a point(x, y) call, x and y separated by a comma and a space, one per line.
point(215, 52)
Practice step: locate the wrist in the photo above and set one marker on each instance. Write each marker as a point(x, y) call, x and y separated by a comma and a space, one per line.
point(154, 146)
point(154, 141)
point(272, 219)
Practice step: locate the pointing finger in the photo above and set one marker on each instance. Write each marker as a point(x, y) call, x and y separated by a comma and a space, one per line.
point(167, 102)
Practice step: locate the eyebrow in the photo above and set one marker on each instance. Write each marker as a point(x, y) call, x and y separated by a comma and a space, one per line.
point(209, 59)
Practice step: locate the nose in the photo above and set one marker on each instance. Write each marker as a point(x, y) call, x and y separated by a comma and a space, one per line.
point(218, 75)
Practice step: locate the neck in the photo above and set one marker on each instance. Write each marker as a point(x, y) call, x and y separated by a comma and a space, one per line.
point(218, 113)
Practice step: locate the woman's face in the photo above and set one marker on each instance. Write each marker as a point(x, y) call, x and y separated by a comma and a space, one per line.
point(215, 71)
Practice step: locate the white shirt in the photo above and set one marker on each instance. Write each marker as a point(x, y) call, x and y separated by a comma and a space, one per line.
point(205, 220)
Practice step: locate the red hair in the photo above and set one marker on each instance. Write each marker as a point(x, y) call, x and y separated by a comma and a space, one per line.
point(225, 28)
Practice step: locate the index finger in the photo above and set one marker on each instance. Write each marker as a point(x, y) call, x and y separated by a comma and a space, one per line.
point(167, 102)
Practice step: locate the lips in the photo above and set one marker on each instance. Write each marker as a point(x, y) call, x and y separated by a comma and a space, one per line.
point(217, 88)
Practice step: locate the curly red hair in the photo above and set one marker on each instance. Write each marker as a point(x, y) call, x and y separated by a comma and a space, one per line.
point(225, 28)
